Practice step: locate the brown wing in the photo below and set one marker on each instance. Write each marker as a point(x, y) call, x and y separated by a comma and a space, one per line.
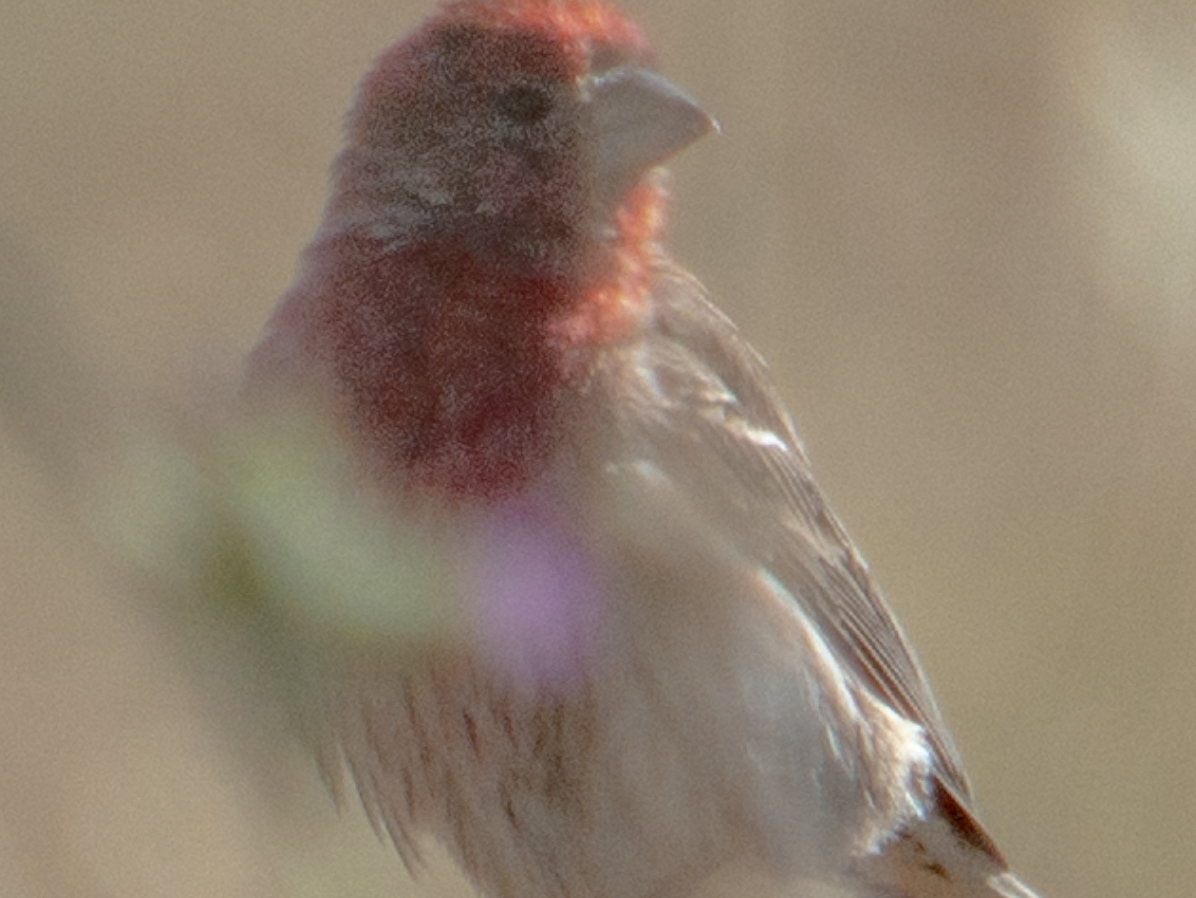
point(715, 425)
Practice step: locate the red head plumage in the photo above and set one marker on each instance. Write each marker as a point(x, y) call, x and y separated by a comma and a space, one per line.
point(492, 224)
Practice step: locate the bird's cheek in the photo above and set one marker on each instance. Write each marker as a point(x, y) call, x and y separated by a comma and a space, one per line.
point(504, 184)
point(519, 183)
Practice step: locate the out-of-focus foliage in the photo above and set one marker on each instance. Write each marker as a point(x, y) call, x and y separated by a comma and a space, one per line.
point(255, 531)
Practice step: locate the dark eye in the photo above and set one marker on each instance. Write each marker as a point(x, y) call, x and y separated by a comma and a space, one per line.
point(525, 104)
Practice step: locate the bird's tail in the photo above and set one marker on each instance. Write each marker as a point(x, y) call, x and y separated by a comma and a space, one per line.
point(1006, 885)
point(948, 854)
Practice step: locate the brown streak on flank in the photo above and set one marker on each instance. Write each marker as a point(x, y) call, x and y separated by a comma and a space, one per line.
point(471, 729)
point(939, 870)
point(512, 817)
point(508, 726)
point(408, 791)
point(418, 731)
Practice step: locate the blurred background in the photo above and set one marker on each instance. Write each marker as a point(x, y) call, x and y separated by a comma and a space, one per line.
point(964, 235)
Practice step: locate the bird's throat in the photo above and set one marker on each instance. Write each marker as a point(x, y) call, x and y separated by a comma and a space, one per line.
point(445, 364)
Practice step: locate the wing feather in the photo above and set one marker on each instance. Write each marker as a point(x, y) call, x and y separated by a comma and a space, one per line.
point(696, 401)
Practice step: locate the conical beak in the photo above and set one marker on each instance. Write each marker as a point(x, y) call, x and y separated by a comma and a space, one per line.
point(640, 120)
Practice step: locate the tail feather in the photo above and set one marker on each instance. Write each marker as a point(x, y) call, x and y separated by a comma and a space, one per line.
point(946, 855)
point(1006, 885)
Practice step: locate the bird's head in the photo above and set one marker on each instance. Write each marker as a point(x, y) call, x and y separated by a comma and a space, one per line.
point(525, 129)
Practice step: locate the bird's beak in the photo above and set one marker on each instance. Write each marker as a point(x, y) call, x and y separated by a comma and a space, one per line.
point(640, 120)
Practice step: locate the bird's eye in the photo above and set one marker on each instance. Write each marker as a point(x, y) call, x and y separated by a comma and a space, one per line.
point(525, 104)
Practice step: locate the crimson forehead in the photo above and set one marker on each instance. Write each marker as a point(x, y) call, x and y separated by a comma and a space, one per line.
point(527, 51)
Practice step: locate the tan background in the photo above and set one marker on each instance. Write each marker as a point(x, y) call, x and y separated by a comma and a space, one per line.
point(963, 233)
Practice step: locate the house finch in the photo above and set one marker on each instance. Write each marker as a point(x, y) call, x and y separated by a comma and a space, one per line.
point(675, 659)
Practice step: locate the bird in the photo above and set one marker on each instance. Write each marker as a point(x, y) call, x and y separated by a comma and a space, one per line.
point(674, 659)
